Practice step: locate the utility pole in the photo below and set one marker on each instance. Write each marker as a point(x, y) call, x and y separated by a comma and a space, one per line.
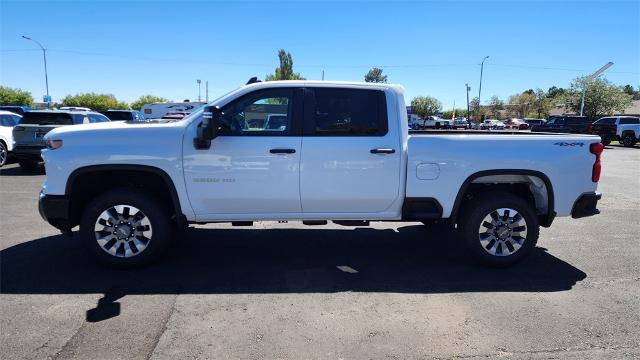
point(206, 90)
point(480, 87)
point(199, 98)
point(322, 74)
point(46, 76)
point(588, 79)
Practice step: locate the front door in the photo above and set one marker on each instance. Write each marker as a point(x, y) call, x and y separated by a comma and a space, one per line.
point(253, 166)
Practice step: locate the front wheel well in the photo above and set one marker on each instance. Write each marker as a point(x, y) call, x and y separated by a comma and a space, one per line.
point(86, 184)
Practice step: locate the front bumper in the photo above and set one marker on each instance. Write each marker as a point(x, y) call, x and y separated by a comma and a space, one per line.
point(586, 205)
point(55, 210)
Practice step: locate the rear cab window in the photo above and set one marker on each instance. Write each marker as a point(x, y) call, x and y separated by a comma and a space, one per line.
point(46, 118)
point(346, 112)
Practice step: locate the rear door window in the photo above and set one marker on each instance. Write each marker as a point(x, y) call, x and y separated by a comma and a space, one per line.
point(606, 121)
point(9, 120)
point(629, 121)
point(46, 118)
point(346, 112)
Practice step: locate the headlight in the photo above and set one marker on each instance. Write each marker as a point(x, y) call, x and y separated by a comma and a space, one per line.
point(54, 144)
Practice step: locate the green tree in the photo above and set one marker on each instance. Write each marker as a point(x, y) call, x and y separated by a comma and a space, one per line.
point(97, 102)
point(146, 99)
point(521, 104)
point(495, 105)
point(555, 91)
point(541, 103)
point(11, 96)
point(601, 97)
point(285, 70)
point(458, 113)
point(375, 76)
point(628, 89)
point(425, 106)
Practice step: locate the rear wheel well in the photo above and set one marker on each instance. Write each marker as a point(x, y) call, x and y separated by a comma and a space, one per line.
point(85, 185)
point(533, 188)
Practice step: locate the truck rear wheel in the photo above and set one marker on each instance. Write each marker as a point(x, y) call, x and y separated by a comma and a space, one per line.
point(125, 228)
point(499, 228)
point(628, 139)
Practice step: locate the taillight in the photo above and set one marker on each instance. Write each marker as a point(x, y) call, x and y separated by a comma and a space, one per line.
point(596, 149)
point(54, 144)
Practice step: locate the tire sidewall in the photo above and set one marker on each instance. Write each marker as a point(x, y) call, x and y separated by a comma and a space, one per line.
point(479, 208)
point(155, 211)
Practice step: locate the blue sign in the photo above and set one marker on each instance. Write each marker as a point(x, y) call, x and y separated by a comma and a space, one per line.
point(46, 98)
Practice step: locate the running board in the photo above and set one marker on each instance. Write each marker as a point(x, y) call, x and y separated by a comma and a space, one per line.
point(314, 222)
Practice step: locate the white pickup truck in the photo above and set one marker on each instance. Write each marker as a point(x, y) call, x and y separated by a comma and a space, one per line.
point(341, 152)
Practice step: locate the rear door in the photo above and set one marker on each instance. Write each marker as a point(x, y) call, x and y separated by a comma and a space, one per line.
point(35, 125)
point(351, 158)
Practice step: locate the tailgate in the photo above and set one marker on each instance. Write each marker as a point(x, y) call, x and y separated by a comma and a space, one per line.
point(31, 135)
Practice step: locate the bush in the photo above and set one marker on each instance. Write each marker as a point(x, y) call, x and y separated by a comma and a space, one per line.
point(10, 96)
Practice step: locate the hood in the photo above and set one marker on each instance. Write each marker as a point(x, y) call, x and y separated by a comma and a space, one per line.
point(111, 126)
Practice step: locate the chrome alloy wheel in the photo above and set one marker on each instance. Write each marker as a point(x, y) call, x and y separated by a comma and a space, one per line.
point(3, 154)
point(123, 231)
point(502, 232)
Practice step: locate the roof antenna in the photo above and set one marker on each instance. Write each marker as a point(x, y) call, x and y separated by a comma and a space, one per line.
point(253, 80)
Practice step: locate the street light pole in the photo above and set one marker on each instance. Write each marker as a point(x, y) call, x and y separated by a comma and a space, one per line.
point(199, 82)
point(46, 76)
point(480, 87)
point(468, 88)
point(588, 79)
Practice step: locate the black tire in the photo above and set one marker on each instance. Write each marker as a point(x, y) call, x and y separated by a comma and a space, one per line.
point(628, 140)
point(4, 154)
point(28, 165)
point(472, 220)
point(605, 142)
point(156, 212)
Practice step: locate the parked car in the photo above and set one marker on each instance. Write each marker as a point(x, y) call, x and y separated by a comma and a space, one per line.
point(174, 116)
point(344, 155)
point(516, 124)
point(20, 110)
point(625, 129)
point(74, 108)
point(123, 115)
point(158, 110)
point(29, 134)
point(460, 123)
point(534, 122)
point(7, 121)
point(492, 124)
point(570, 124)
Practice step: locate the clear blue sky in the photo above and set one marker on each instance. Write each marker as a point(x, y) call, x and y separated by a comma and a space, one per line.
point(129, 48)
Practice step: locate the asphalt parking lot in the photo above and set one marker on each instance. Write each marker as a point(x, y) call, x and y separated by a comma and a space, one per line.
point(396, 290)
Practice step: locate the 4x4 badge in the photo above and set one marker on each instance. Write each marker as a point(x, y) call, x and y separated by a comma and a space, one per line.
point(569, 144)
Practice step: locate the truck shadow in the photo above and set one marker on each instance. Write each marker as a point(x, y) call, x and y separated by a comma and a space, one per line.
point(413, 259)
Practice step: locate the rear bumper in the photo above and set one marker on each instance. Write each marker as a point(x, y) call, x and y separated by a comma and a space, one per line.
point(23, 152)
point(54, 209)
point(586, 205)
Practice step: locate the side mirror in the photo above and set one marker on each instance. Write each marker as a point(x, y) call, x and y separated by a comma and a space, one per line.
point(209, 128)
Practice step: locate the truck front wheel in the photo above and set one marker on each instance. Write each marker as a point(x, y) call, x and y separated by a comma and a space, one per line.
point(499, 228)
point(126, 228)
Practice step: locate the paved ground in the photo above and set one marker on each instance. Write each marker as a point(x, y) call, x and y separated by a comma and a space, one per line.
point(278, 291)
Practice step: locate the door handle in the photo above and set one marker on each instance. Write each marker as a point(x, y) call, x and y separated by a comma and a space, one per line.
point(383, 151)
point(282, 151)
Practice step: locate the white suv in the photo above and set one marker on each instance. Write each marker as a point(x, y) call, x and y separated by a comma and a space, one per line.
point(7, 121)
